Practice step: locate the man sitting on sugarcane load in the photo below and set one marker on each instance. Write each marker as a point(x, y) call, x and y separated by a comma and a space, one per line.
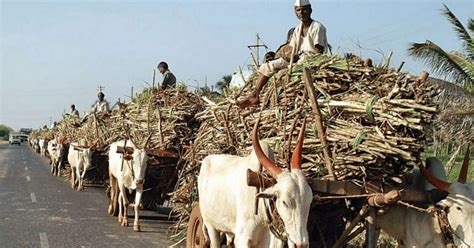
point(101, 105)
point(74, 111)
point(169, 80)
point(308, 39)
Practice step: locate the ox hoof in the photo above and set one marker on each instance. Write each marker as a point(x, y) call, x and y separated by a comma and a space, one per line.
point(136, 228)
point(125, 223)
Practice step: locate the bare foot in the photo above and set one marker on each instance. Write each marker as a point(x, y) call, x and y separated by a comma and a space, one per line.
point(249, 101)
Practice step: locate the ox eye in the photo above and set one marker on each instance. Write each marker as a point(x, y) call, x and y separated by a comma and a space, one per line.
point(284, 203)
point(458, 208)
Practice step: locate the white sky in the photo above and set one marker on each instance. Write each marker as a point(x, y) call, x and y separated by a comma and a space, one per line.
point(56, 53)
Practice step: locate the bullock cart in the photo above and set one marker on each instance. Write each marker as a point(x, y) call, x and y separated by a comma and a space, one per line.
point(341, 210)
point(367, 129)
point(160, 177)
point(166, 115)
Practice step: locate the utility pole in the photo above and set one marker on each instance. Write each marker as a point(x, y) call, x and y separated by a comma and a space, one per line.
point(100, 88)
point(257, 49)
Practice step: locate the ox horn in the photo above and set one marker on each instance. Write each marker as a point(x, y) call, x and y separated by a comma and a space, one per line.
point(465, 166)
point(440, 184)
point(145, 146)
point(267, 163)
point(296, 157)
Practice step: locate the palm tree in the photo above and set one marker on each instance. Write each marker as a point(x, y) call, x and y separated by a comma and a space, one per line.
point(456, 65)
point(223, 83)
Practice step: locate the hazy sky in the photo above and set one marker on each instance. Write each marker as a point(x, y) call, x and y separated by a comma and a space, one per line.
point(55, 53)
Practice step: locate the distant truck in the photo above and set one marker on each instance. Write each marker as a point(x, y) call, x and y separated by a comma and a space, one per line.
point(14, 138)
point(24, 133)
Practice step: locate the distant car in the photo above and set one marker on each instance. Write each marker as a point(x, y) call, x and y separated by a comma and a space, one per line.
point(23, 137)
point(14, 139)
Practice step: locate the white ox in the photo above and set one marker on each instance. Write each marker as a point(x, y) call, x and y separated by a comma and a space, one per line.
point(56, 151)
point(79, 158)
point(127, 166)
point(35, 145)
point(43, 145)
point(416, 229)
point(227, 204)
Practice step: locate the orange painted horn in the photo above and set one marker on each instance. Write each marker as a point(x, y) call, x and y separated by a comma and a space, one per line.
point(296, 157)
point(267, 163)
point(440, 184)
point(465, 166)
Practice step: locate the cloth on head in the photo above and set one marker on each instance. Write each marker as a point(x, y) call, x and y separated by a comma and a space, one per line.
point(299, 3)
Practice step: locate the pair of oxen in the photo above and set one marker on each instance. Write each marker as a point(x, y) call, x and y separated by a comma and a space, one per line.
point(227, 204)
point(127, 166)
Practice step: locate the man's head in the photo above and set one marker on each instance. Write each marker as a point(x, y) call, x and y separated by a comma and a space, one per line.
point(101, 96)
point(163, 67)
point(269, 57)
point(73, 107)
point(303, 10)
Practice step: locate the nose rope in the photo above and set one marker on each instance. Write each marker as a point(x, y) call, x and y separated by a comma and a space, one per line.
point(273, 220)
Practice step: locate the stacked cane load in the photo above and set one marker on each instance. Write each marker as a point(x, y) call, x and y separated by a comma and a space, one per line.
point(167, 115)
point(377, 122)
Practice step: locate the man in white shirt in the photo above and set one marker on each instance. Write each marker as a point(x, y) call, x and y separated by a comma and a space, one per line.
point(308, 39)
point(101, 105)
point(74, 111)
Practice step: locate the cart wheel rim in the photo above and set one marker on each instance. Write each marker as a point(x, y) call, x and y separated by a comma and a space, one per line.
point(196, 233)
point(195, 237)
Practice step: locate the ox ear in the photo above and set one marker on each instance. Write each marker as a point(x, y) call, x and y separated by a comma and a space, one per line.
point(269, 193)
point(465, 166)
point(265, 195)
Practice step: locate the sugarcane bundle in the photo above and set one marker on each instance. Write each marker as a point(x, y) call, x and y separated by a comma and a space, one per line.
point(166, 115)
point(377, 122)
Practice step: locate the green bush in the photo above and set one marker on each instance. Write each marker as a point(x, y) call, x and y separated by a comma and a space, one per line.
point(4, 132)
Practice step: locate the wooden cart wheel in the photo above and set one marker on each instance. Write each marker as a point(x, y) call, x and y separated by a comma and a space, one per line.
point(195, 236)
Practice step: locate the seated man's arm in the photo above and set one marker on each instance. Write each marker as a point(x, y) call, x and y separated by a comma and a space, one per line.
point(319, 38)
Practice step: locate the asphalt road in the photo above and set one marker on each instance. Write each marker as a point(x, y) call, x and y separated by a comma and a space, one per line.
point(39, 210)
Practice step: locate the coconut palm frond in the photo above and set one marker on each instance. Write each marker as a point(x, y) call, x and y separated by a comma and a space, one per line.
point(467, 67)
point(441, 62)
point(470, 25)
point(470, 51)
point(458, 27)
